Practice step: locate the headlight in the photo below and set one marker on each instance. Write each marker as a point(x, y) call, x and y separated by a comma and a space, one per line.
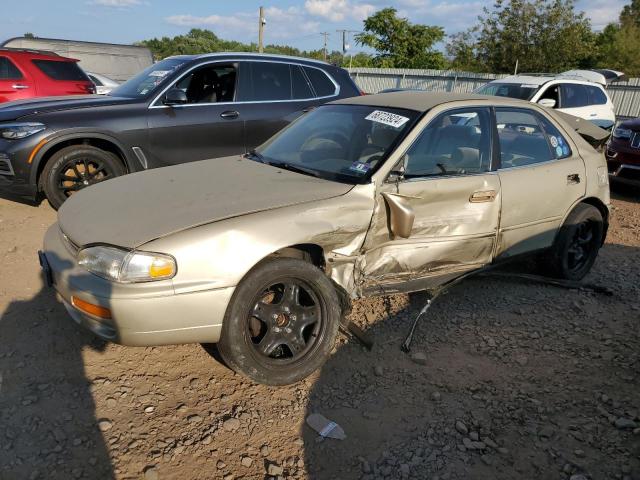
point(15, 131)
point(620, 132)
point(124, 266)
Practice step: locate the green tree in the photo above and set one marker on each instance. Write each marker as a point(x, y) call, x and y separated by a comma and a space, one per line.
point(399, 43)
point(619, 43)
point(631, 13)
point(541, 35)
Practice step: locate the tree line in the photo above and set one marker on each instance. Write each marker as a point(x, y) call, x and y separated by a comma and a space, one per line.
point(537, 35)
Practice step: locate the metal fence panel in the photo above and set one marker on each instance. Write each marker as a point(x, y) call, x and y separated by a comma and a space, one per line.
point(624, 95)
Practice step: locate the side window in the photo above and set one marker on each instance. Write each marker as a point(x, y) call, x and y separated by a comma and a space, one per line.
point(551, 93)
point(271, 81)
point(323, 86)
point(209, 84)
point(574, 95)
point(95, 80)
point(455, 143)
point(522, 139)
point(8, 71)
point(559, 146)
point(300, 86)
point(596, 95)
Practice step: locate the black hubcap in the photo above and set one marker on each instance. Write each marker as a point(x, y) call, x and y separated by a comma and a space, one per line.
point(285, 321)
point(581, 246)
point(77, 174)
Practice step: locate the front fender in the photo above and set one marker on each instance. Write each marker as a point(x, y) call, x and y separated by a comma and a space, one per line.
point(60, 137)
point(220, 254)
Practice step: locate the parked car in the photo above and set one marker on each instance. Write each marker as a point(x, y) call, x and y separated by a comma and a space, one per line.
point(262, 253)
point(623, 152)
point(35, 73)
point(103, 84)
point(580, 93)
point(181, 109)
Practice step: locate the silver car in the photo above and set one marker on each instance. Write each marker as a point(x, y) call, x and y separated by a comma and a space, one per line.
point(103, 84)
point(263, 253)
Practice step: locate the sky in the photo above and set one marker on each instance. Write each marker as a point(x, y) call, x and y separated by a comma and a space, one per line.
point(293, 23)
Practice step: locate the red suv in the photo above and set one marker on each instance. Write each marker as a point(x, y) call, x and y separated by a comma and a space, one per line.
point(34, 73)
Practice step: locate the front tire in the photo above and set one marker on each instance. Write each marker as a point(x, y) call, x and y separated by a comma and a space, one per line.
point(281, 323)
point(577, 244)
point(73, 168)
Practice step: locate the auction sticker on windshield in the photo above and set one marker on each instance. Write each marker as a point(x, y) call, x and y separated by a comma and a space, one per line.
point(159, 73)
point(387, 118)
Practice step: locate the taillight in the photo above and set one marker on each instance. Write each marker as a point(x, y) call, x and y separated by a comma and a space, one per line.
point(362, 92)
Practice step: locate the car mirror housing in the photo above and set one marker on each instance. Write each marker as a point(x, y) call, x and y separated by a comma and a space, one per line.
point(175, 96)
point(547, 102)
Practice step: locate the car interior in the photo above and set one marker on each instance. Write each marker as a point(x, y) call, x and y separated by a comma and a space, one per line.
point(451, 144)
point(210, 84)
point(522, 140)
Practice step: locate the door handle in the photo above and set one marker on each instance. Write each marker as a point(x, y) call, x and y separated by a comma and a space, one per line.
point(230, 114)
point(17, 86)
point(573, 179)
point(483, 196)
point(593, 115)
point(308, 109)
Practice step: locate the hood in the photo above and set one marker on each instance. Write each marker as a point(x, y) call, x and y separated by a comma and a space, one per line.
point(137, 208)
point(21, 108)
point(632, 124)
point(593, 134)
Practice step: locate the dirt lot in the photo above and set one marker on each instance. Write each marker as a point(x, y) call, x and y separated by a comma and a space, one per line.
point(510, 381)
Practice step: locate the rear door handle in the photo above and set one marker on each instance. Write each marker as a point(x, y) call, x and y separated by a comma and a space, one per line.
point(230, 114)
point(17, 86)
point(573, 179)
point(483, 196)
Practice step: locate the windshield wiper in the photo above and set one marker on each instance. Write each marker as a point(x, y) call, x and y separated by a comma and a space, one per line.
point(295, 168)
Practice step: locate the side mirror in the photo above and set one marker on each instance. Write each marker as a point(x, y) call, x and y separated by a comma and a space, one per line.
point(397, 173)
point(175, 96)
point(547, 102)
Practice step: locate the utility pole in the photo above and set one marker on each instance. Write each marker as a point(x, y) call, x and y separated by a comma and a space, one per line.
point(261, 23)
point(326, 36)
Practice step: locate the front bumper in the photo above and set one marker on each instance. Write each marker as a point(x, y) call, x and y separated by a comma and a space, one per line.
point(623, 163)
point(143, 314)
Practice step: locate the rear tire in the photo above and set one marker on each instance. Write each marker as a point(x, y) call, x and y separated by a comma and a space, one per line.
point(73, 168)
point(281, 323)
point(577, 244)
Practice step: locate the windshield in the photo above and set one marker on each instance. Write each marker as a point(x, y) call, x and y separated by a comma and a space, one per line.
point(522, 91)
point(346, 143)
point(147, 80)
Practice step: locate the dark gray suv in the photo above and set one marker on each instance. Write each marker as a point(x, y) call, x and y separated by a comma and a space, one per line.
point(182, 109)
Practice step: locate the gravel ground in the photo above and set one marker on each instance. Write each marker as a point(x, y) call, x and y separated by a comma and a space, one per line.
point(506, 380)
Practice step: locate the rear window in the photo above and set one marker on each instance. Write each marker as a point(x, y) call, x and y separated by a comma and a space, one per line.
point(58, 70)
point(323, 86)
point(596, 96)
point(8, 71)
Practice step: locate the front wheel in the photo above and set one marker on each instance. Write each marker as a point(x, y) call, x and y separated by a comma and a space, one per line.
point(74, 168)
point(281, 323)
point(577, 245)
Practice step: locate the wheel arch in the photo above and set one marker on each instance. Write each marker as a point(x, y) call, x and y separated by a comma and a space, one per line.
point(98, 140)
point(595, 202)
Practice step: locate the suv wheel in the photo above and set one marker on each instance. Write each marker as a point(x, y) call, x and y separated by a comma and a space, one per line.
point(577, 245)
point(281, 323)
point(74, 168)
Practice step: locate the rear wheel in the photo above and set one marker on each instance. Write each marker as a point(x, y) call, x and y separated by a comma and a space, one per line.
point(281, 323)
point(577, 244)
point(74, 168)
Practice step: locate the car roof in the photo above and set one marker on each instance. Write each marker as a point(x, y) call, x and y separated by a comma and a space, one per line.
point(251, 55)
point(423, 101)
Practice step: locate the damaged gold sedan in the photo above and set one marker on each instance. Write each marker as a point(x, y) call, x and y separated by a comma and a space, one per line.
point(262, 253)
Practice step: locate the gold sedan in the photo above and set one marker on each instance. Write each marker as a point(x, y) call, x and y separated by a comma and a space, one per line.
point(262, 253)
